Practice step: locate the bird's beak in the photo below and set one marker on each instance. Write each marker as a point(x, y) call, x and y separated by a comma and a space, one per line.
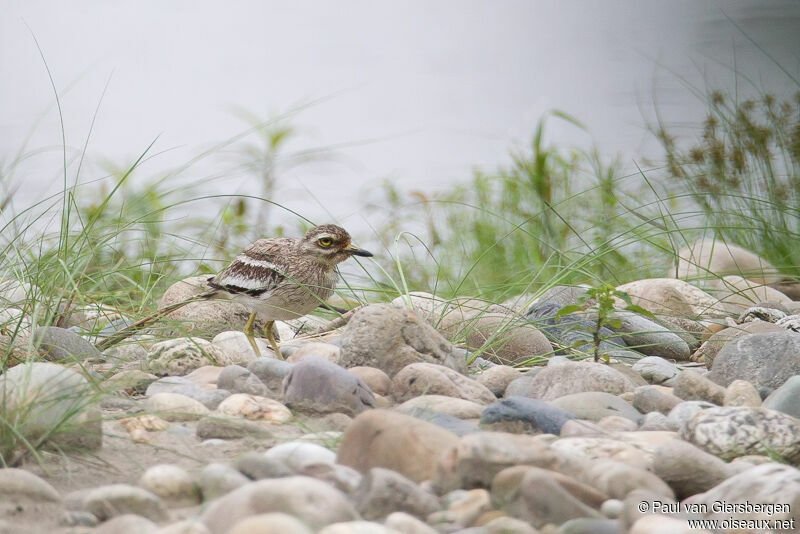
point(355, 251)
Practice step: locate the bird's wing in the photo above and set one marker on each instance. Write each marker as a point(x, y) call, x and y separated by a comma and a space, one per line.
point(252, 272)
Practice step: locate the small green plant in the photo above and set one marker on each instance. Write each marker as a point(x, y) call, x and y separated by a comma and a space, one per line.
point(602, 299)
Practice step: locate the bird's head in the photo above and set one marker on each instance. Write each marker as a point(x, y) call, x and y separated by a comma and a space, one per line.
point(330, 244)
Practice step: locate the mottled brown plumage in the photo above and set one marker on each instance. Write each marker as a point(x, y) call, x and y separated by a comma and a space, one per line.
point(283, 278)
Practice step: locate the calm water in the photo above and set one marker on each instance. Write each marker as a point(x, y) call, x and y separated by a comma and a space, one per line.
point(417, 92)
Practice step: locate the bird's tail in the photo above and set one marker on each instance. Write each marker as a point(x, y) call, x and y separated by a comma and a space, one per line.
point(128, 331)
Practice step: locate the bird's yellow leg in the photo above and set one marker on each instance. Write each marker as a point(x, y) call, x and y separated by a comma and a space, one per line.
point(271, 338)
point(248, 331)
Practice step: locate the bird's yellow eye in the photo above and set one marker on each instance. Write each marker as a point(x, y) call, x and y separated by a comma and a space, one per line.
point(325, 241)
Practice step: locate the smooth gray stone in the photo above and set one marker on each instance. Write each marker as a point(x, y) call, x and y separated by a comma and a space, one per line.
point(649, 337)
point(657, 370)
point(237, 379)
point(319, 386)
point(786, 398)
point(764, 360)
point(535, 415)
point(62, 344)
point(270, 371)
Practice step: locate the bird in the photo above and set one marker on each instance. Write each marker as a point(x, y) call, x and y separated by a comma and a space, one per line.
point(285, 278)
point(280, 278)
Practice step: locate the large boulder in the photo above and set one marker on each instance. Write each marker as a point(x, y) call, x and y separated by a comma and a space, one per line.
point(764, 360)
point(49, 402)
point(712, 258)
point(380, 438)
point(390, 338)
point(506, 339)
point(711, 347)
point(649, 337)
point(669, 296)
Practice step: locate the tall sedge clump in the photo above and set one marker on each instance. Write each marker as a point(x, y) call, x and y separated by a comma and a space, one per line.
point(743, 171)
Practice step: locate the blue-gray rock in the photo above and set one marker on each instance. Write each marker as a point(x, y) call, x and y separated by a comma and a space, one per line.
point(210, 398)
point(649, 337)
point(558, 295)
point(523, 414)
point(786, 398)
point(317, 385)
point(656, 370)
point(62, 344)
point(237, 379)
point(764, 360)
point(457, 426)
point(575, 332)
point(595, 405)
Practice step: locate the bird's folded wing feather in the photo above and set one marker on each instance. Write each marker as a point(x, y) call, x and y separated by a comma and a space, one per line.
point(250, 273)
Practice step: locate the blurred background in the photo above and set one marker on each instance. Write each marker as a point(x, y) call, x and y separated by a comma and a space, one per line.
point(364, 113)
